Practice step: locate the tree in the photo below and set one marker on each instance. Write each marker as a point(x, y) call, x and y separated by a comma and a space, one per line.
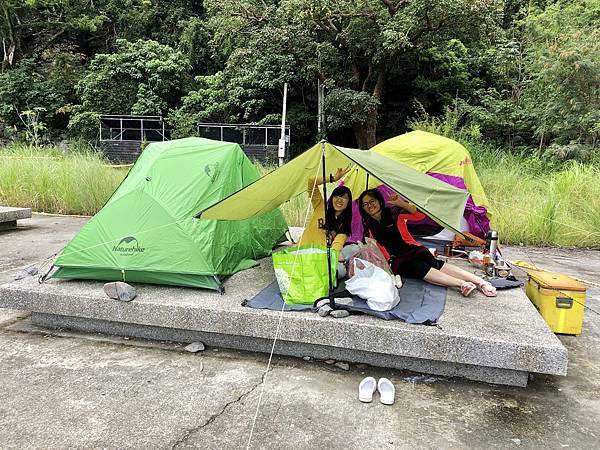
point(45, 88)
point(142, 77)
point(354, 47)
point(564, 60)
point(540, 82)
point(29, 28)
point(8, 33)
point(46, 43)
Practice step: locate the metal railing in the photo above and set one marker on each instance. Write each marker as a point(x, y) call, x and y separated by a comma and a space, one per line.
point(125, 128)
point(152, 128)
point(246, 134)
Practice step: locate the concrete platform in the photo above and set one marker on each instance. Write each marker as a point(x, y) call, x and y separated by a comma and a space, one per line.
point(498, 340)
point(9, 216)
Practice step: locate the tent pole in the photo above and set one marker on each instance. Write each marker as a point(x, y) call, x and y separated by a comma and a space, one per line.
point(327, 233)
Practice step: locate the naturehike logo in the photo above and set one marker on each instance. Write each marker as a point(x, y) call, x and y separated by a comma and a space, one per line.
point(128, 246)
point(212, 170)
point(465, 162)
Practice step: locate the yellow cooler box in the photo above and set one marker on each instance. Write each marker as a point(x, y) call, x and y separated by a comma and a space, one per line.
point(559, 299)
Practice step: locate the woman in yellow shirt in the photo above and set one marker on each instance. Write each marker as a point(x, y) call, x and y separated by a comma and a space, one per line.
point(339, 214)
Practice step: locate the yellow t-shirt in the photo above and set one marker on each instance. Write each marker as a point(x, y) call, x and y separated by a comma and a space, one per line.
point(314, 233)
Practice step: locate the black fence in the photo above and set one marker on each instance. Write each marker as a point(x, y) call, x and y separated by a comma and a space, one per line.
point(122, 137)
point(260, 142)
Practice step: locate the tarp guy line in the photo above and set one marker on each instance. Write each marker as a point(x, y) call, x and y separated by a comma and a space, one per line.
point(264, 382)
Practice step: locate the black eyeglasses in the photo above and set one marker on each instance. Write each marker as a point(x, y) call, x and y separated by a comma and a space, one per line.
point(369, 203)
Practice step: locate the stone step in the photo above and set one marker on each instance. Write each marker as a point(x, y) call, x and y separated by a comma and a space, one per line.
point(10, 215)
point(498, 340)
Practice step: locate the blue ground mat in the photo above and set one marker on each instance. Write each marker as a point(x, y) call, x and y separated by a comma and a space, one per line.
point(420, 303)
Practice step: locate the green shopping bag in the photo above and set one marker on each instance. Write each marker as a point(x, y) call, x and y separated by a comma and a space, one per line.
point(301, 273)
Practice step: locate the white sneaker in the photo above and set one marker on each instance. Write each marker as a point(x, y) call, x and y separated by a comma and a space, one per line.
point(366, 388)
point(387, 391)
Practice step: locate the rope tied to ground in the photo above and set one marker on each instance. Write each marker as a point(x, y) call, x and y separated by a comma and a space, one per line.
point(280, 317)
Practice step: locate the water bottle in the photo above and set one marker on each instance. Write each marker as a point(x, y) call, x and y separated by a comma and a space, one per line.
point(492, 243)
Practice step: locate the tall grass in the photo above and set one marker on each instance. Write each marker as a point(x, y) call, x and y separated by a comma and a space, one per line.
point(550, 208)
point(49, 180)
point(533, 201)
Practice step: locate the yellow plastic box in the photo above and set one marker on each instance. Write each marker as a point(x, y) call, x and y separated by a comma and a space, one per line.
point(560, 300)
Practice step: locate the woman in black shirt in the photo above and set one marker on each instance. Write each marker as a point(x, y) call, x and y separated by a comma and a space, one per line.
point(407, 257)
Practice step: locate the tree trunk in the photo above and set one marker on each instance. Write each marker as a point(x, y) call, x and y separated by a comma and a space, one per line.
point(366, 134)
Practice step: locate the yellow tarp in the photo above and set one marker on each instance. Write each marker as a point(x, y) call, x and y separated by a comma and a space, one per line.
point(440, 201)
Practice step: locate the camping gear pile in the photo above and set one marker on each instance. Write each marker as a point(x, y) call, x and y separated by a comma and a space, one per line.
point(484, 254)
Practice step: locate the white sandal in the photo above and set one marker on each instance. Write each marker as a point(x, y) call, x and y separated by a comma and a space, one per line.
point(467, 288)
point(387, 391)
point(366, 389)
point(487, 288)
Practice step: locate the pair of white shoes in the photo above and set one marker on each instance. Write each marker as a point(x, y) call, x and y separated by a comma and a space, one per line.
point(368, 386)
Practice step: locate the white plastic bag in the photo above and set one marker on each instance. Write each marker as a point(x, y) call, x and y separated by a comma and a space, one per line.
point(374, 285)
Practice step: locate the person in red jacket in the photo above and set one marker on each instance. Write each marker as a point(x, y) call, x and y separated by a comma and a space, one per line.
point(407, 257)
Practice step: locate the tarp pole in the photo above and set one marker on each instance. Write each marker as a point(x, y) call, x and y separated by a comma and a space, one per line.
point(327, 233)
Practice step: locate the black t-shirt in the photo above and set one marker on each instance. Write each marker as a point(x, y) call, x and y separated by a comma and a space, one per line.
point(386, 233)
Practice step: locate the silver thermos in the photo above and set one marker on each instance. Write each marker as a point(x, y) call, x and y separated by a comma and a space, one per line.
point(492, 243)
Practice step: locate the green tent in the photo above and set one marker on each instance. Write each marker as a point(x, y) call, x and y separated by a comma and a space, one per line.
point(146, 232)
point(440, 201)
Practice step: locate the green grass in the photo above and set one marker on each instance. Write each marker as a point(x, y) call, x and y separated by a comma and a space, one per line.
point(48, 180)
point(534, 201)
point(555, 208)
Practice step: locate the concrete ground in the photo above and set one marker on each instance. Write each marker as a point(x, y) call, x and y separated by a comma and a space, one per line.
point(66, 390)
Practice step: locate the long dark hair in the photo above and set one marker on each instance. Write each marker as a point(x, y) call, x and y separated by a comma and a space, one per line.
point(342, 223)
point(385, 212)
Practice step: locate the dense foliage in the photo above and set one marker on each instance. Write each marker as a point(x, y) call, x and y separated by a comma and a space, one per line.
point(141, 78)
point(525, 74)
